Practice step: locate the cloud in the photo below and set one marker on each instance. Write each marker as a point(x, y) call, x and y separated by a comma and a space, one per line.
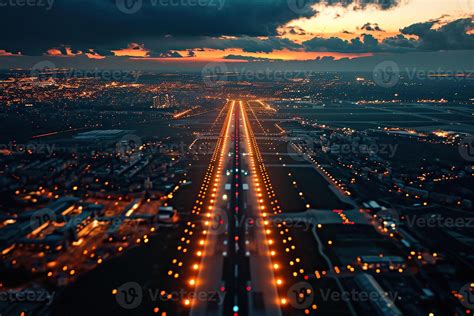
point(134, 50)
point(246, 43)
point(450, 36)
point(254, 45)
point(5, 53)
point(335, 44)
point(169, 55)
point(249, 58)
point(371, 27)
point(93, 24)
point(293, 30)
point(401, 42)
point(454, 35)
point(363, 4)
point(99, 25)
point(98, 28)
point(63, 51)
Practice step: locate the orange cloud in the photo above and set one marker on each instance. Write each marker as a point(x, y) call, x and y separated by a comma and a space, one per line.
point(211, 54)
point(133, 50)
point(139, 52)
point(62, 53)
point(5, 53)
point(54, 52)
point(94, 55)
point(69, 53)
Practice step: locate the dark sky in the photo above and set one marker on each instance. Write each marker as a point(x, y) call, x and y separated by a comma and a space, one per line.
point(166, 31)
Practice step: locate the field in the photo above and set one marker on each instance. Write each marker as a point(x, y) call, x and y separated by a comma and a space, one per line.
point(427, 117)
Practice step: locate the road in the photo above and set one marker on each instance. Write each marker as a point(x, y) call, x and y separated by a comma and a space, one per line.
point(236, 260)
